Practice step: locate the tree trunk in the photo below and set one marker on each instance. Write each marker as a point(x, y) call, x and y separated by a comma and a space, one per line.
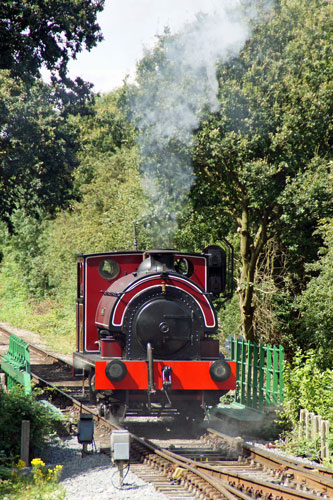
point(249, 249)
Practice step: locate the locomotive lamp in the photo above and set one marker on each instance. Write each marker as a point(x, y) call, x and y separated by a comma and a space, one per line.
point(120, 450)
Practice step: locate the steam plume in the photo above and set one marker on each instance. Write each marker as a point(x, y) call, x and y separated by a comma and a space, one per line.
point(175, 90)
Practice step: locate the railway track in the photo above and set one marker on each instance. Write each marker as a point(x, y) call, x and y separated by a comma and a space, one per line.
point(210, 466)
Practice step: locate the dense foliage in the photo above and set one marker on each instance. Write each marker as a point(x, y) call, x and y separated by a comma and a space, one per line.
point(316, 302)
point(71, 179)
point(37, 142)
point(16, 406)
point(308, 386)
point(263, 160)
point(38, 150)
point(49, 33)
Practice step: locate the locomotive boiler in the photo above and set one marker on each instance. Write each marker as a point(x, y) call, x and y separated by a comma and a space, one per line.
point(146, 328)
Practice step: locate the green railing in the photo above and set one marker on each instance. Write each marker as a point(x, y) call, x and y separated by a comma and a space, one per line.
point(259, 373)
point(16, 364)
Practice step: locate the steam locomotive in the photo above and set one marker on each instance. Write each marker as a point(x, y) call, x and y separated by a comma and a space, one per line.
point(145, 331)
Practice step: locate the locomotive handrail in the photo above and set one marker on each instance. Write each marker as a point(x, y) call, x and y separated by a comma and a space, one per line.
point(112, 294)
point(120, 294)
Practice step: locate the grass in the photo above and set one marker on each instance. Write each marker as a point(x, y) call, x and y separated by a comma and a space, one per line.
point(301, 447)
point(40, 483)
point(54, 322)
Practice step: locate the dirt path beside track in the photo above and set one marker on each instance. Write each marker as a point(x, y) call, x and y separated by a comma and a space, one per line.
point(35, 339)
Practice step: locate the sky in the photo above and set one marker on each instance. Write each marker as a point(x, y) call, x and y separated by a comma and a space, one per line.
point(128, 26)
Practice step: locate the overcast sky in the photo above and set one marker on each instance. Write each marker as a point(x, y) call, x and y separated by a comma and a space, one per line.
point(128, 26)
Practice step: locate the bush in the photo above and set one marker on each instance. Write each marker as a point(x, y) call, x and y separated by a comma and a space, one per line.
point(309, 387)
point(16, 406)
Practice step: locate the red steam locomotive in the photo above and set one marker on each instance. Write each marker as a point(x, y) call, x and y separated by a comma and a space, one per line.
point(145, 331)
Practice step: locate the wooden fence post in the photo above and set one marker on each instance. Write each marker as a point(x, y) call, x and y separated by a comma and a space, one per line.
point(25, 441)
point(324, 429)
point(3, 381)
point(315, 426)
point(308, 422)
point(302, 420)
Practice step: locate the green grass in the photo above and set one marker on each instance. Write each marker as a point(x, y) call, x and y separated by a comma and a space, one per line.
point(54, 322)
point(39, 484)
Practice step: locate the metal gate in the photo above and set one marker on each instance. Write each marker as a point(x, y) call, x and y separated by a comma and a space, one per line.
point(259, 373)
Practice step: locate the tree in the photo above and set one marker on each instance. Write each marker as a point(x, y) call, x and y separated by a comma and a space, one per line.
point(263, 160)
point(39, 257)
point(316, 302)
point(37, 150)
point(37, 138)
point(34, 33)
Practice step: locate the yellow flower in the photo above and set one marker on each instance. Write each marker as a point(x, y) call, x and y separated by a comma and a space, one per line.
point(37, 462)
point(20, 464)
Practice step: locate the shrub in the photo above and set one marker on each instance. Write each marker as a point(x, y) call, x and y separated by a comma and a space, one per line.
point(16, 406)
point(307, 386)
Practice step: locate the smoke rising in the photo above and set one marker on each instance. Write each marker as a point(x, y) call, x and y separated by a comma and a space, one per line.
point(177, 85)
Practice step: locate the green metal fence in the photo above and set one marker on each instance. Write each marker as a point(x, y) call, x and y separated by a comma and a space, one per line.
point(16, 364)
point(259, 373)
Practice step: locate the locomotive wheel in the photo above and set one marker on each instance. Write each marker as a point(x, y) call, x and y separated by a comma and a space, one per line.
point(115, 413)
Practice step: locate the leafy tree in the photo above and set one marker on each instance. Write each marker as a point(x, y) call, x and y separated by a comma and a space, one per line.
point(34, 33)
point(308, 386)
point(38, 267)
point(262, 162)
point(316, 302)
point(37, 150)
point(37, 140)
point(103, 132)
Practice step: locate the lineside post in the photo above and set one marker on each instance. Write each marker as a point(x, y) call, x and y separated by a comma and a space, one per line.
point(25, 441)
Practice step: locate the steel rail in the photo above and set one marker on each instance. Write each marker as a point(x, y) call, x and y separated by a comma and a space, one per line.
point(257, 486)
point(37, 350)
point(222, 487)
point(311, 478)
point(222, 484)
point(267, 457)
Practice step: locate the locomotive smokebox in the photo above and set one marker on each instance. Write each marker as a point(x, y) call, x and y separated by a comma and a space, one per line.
point(157, 261)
